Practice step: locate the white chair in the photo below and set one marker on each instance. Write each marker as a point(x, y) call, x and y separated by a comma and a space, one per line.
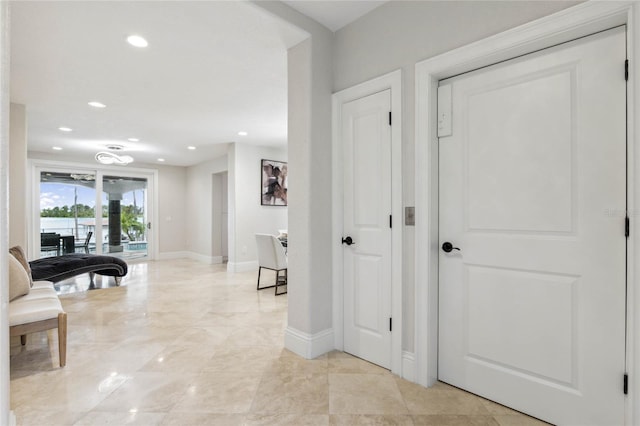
point(271, 255)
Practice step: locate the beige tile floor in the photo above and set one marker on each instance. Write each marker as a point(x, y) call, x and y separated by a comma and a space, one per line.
point(184, 343)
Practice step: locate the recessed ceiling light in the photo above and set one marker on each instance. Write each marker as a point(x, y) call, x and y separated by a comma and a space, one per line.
point(191, 148)
point(97, 104)
point(65, 129)
point(137, 41)
point(56, 148)
point(133, 140)
point(243, 133)
point(161, 160)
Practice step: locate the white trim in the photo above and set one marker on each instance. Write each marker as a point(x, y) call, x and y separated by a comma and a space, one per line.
point(408, 366)
point(577, 21)
point(242, 266)
point(391, 81)
point(308, 346)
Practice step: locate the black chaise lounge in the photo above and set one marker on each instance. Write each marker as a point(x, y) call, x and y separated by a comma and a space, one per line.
point(59, 268)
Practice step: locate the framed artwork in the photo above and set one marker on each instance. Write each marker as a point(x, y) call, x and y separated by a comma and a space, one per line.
point(274, 183)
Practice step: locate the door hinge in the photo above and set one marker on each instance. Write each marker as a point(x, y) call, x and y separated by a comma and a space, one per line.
point(390, 324)
point(390, 221)
point(626, 226)
point(626, 70)
point(625, 384)
point(389, 118)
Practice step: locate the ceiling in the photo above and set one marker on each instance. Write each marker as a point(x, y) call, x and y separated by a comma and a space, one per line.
point(212, 69)
point(335, 14)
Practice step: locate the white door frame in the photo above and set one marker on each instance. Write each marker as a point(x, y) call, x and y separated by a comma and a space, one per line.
point(577, 21)
point(391, 81)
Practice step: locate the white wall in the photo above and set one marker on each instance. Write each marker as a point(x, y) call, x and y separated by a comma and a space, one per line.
point(216, 215)
point(18, 177)
point(5, 415)
point(198, 207)
point(224, 216)
point(172, 213)
point(309, 331)
point(398, 35)
point(247, 215)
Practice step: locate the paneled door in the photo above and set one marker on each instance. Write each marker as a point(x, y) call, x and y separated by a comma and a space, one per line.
point(532, 232)
point(366, 138)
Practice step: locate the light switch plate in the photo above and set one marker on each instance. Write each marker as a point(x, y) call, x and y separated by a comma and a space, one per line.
point(410, 216)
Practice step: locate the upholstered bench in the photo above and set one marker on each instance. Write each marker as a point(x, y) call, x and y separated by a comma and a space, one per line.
point(59, 268)
point(33, 305)
point(39, 310)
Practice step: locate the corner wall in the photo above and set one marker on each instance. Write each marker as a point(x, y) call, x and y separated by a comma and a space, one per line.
point(246, 214)
point(198, 208)
point(6, 417)
point(172, 212)
point(310, 63)
point(18, 177)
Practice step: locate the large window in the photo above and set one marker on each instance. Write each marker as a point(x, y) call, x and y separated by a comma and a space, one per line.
point(97, 211)
point(67, 212)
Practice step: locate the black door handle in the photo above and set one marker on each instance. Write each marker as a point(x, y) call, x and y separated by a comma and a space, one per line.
point(348, 241)
point(447, 247)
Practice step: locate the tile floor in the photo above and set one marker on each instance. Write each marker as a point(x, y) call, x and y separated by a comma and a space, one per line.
point(185, 343)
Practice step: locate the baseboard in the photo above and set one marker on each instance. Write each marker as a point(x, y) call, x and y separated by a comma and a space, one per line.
point(306, 345)
point(212, 260)
point(409, 366)
point(167, 255)
point(242, 266)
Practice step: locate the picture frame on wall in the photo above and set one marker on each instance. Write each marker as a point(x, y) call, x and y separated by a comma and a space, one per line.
point(274, 183)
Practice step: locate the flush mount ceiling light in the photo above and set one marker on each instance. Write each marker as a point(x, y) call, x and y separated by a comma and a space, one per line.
point(243, 133)
point(65, 129)
point(137, 41)
point(111, 158)
point(191, 148)
point(133, 140)
point(97, 104)
point(161, 160)
point(56, 148)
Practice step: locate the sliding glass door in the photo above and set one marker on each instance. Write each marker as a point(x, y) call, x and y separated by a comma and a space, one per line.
point(67, 211)
point(95, 211)
point(124, 201)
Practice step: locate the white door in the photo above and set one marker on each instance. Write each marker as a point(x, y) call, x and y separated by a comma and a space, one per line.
point(532, 193)
point(366, 138)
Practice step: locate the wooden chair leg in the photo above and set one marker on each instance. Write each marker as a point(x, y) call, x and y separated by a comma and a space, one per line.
point(23, 339)
point(62, 338)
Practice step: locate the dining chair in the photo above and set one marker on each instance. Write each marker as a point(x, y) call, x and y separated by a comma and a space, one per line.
point(50, 241)
point(271, 255)
point(85, 244)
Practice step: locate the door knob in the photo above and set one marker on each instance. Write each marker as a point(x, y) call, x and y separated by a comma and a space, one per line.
point(447, 247)
point(348, 241)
